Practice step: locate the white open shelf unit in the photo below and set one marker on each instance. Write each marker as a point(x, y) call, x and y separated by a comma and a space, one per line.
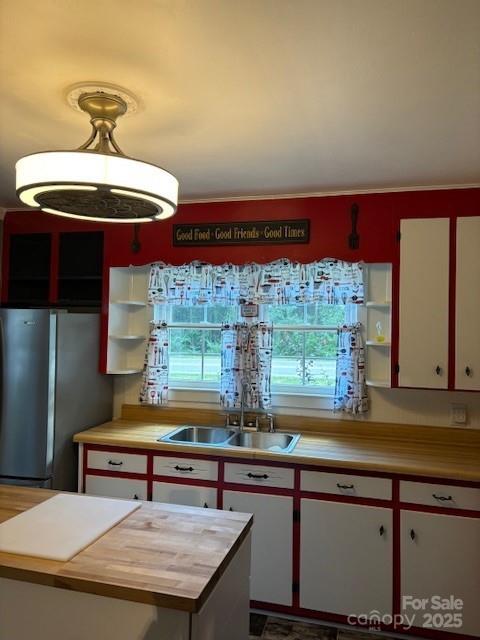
point(378, 308)
point(128, 318)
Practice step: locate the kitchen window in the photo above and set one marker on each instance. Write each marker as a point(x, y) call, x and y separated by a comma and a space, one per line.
point(304, 344)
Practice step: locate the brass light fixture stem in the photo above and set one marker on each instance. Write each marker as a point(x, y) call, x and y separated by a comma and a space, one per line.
point(104, 109)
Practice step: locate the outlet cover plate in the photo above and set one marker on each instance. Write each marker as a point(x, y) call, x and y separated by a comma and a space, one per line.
point(458, 413)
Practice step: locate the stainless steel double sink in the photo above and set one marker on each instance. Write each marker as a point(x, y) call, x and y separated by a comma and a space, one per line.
point(224, 437)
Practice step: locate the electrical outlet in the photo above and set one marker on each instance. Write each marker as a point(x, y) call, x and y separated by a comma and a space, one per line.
point(458, 414)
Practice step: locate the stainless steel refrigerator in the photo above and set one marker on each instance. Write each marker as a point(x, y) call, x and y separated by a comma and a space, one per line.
point(50, 389)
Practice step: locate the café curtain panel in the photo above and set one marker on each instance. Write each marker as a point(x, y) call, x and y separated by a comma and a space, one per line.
point(328, 281)
point(350, 388)
point(246, 365)
point(154, 386)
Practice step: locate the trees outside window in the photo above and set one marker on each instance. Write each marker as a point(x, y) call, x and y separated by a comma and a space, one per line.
point(304, 344)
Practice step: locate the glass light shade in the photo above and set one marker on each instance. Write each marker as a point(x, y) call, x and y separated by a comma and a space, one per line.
point(91, 181)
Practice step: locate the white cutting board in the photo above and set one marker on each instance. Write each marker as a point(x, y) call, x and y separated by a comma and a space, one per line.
point(62, 526)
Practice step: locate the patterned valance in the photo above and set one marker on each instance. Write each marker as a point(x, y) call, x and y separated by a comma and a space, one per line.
point(328, 281)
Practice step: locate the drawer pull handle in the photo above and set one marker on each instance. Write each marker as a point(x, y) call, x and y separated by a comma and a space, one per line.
point(177, 468)
point(381, 531)
point(205, 506)
point(135, 497)
point(442, 498)
point(413, 535)
point(345, 486)
point(258, 476)
point(468, 371)
point(230, 509)
point(115, 464)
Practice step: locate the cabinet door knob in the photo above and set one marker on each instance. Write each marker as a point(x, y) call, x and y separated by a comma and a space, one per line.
point(205, 506)
point(468, 371)
point(381, 531)
point(230, 509)
point(438, 370)
point(135, 497)
point(413, 535)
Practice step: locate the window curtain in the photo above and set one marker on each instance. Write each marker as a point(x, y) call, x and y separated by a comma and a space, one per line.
point(246, 365)
point(328, 281)
point(350, 388)
point(154, 386)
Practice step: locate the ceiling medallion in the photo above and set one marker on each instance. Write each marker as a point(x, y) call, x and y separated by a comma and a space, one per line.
point(97, 181)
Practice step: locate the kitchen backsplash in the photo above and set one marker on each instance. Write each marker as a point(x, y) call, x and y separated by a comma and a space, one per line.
point(400, 406)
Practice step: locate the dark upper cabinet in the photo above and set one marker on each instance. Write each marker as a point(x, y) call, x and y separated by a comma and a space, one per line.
point(29, 269)
point(63, 269)
point(80, 268)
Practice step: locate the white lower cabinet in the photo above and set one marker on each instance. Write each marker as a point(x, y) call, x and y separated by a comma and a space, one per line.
point(346, 560)
point(115, 487)
point(185, 494)
point(441, 557)
point(345, 548)
point(272, 543)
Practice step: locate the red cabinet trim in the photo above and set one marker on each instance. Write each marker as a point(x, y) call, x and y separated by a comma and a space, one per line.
point(445, 511)
point(452, 302)
point(297, 494)
point(112, 474)
point(185, 480)
point(54, 261)
point(396, 570)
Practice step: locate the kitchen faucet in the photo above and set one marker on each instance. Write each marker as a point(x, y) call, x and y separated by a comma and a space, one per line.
point(239, 419)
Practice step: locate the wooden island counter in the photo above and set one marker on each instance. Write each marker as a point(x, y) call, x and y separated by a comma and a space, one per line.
point(165, 571)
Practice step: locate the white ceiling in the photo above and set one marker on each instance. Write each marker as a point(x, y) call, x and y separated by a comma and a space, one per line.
point(253, 97)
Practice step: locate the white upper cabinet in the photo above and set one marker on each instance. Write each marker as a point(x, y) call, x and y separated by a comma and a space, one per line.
point(424, 303)
point(467, 294)
point(128, 318)
point(377, 322)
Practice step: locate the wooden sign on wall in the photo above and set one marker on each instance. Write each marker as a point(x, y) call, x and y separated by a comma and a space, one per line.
point(260, 232)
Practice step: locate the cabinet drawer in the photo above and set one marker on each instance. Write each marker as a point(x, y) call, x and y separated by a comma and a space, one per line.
point(440, 495)
point(185, 468)
point(118, 462)
point(115, 487)
point(346, 485)
point(259, 475)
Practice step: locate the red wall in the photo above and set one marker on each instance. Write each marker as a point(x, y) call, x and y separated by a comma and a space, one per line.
point(378, 224)
point(330, 225)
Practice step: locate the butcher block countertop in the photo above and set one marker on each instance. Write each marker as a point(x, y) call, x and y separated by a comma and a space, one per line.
point(163, 555)
point(437, 452)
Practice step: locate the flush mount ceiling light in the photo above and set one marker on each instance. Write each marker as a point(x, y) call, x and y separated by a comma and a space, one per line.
point(97, 181)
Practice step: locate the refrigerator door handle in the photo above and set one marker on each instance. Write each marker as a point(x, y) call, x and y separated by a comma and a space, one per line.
point(52, 376)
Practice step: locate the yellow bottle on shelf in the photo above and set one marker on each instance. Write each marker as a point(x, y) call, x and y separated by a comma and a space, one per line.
point(379, 337)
